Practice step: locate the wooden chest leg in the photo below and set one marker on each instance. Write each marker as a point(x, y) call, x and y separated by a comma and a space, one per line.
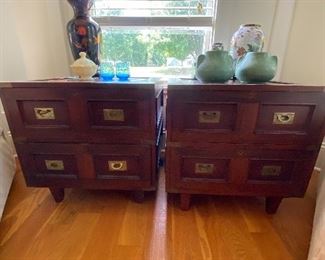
point(185, 201)
point(138, 196)
point(272, 204)
point(57, 193)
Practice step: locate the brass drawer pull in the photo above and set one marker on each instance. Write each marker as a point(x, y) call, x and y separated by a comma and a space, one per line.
point(113, 114)
point(204, 168)
point(271, 170)
point(283, 118)
point(44, 113)
point(117, 166)
point(54, 165)
point(209, 116)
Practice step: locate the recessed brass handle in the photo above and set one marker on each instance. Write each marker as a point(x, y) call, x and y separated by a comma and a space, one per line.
point(271, 170)
point(44, 113)
point(206, 168)
point(113, 114)
point(283, 118)
point(209, 116)
point(117, 166)
point(54, 165)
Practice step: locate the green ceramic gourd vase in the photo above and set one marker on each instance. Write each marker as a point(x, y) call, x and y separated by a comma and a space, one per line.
point(215, 65)
point(256, 67)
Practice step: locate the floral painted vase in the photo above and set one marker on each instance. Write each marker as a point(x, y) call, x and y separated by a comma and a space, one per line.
point(248, 38)
point(83, 32)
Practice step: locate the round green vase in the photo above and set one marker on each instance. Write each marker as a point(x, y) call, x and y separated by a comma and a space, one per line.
point(214, 66)
point(256, 67)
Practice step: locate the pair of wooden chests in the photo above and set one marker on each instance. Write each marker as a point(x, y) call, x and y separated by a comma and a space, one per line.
point(223, 139)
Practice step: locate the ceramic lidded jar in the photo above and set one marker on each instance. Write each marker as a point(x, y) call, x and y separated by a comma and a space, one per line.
point(215, 65)
point(83, 67)
point(248, 38)
point(255, 67)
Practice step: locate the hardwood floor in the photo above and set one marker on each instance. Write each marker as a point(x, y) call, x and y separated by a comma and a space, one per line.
point(108, 225)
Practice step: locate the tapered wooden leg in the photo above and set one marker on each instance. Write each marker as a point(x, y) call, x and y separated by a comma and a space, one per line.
point(57, 193)
point(185, 201)
point(272, 204)
point(138, 196)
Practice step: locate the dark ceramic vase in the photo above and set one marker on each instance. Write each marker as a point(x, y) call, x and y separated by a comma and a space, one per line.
point(83, 32)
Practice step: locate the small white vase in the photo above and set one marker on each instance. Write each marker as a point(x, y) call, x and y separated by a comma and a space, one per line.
point(83, 67)
point(248, 38)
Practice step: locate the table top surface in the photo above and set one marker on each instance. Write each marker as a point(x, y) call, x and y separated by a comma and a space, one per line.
point(171, 84)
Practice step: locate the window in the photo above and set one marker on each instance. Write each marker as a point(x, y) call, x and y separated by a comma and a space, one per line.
point(158, 37)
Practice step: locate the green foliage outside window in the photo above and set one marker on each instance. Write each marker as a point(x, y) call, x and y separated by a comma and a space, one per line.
point(154, 46)
point(151, 48)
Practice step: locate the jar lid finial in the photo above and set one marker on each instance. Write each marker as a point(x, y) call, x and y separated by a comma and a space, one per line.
point(217, 46)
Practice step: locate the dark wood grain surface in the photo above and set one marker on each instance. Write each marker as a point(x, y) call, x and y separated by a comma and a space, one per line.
point(247, 139)
point(93, 135)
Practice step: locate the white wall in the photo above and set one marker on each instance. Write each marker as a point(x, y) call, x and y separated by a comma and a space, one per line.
point(11, 56)
point(66, 16)
point(304, 61)
point(305, 57)
point(232, 13)
point(294, 31)
point(32, 46)
point(34, 43)
point(274, 16)
point(32, 40)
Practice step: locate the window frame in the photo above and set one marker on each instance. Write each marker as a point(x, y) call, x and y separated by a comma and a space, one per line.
point(168, 22)
point(161, 21)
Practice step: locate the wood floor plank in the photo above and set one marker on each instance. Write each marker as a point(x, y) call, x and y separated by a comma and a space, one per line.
point(208, 221)
point(184, 241)
point(69, 239)
point(105, 234)
point(22, 211)
point(158, 237)
point(134, 224)
point(108, 225)
point(126, 252)
point(23, 237)
point(233, 231)
point(261, 229)
point(270, 246)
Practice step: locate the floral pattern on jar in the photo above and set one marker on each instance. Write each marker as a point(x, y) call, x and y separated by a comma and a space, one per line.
point(248, 38)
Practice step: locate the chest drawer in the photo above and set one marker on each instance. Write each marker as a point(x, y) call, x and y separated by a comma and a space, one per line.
point(238, 169)
point(121, 162)
point(50, 162)
point(250, 117)
point(39, 114)
point(87, 165)
point(116, 115)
